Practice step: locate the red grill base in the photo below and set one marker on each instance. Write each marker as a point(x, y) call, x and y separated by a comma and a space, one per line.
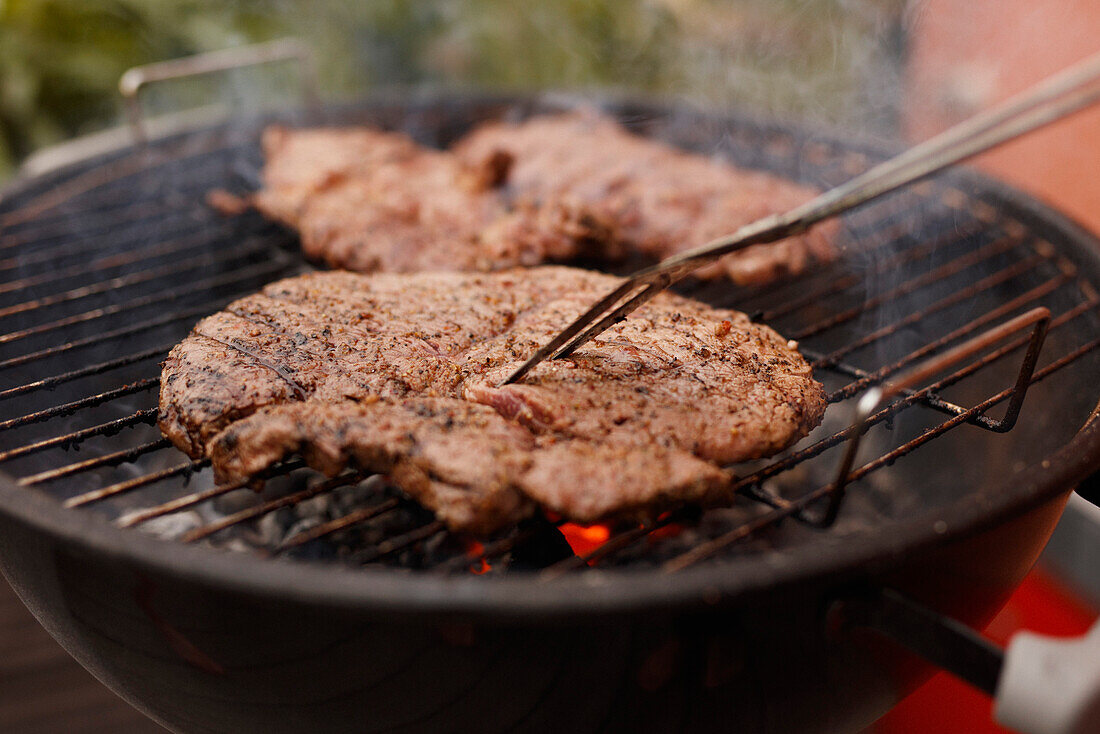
point(947, 705)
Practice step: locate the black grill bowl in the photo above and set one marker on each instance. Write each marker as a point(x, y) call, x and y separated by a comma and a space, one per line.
point(207, 639)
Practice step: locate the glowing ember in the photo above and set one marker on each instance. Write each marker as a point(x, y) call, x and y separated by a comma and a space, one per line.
point(668, 531)
point(476, 552)
point(671, 530)
point(584, 539)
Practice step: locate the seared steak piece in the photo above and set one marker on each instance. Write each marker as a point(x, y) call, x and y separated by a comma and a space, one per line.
point(551, 189)
point(459, 459)
point(370, 201)
point(399, 373)
point(661, 200)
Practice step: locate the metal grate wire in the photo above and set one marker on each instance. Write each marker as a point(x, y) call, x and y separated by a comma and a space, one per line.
point(128, 254)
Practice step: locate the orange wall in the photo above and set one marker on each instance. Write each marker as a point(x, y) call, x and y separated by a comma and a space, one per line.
point(968, 54)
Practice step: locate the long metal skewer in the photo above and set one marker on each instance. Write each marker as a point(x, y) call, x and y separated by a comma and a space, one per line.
point(1052, 99)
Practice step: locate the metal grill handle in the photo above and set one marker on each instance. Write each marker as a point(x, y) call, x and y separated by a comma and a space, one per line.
point(133, 80)
point(1039, 684)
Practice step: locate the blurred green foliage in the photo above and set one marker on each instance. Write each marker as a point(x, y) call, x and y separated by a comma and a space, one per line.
point(60, 60)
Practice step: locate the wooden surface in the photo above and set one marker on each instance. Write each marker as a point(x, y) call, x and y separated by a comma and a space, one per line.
point(44, 691)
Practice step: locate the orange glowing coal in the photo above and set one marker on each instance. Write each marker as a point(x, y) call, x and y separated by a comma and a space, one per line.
point(665, 528)
point(584, 539)
point(476, 552)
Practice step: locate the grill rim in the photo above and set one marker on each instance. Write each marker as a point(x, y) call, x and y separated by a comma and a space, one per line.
point(720, 582)
point(605, 591)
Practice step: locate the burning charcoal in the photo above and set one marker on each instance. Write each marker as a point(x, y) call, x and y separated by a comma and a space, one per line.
point(316, 548)
point(306, 523)
point(544, 547)
point(237, 545)
point(235, 501)
point(273, 526)
point(434, 549)
point(354, 496)
point(316, 508)
point(170, 527)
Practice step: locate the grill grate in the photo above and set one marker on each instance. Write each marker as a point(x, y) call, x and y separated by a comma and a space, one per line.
point(102, 272)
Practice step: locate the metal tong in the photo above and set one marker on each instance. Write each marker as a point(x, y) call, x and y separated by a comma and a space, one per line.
point(1052, 99)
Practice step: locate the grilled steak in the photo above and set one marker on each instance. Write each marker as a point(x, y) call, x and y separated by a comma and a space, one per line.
point(399, 373)
point(373, 201)
point(661, 200)
point(551, 189)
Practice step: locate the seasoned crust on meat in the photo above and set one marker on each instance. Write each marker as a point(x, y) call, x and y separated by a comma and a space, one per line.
point(553, 188)
point(399, 374)
point(661, 199)
point(374, 201)
point(424, 444)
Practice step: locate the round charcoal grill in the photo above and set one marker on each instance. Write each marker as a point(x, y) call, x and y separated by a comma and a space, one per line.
point(218, 608)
